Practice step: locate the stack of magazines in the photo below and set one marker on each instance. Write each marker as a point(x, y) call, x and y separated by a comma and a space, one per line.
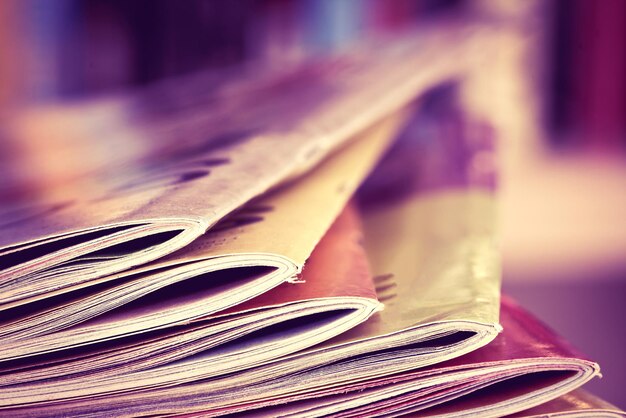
point(311, 240)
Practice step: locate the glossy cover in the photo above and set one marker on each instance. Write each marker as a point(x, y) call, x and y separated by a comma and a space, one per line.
point(526, 365)
point(576, 404)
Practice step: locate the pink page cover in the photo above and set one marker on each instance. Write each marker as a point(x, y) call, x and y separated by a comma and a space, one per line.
point(524, 341)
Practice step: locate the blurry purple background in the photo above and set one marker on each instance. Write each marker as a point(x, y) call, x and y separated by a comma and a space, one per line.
point(564, 233)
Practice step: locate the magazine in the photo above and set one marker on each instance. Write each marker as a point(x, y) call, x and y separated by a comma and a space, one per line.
point(262, 245)
point(173, 160)
point(525, 366)
point(335, 293)
point(427, 319)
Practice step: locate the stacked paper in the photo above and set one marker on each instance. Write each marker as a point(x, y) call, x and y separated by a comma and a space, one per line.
point(218, 258)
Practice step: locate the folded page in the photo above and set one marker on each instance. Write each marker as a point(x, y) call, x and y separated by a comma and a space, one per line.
point(523, 367)
point(337, 293)
point(192, 152)
point(454, 224)
point(264, 244)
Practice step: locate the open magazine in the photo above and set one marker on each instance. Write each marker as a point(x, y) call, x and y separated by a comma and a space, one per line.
point(184, 155)
point(262, 245)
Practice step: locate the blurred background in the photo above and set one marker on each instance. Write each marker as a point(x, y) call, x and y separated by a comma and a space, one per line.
point(560, 114)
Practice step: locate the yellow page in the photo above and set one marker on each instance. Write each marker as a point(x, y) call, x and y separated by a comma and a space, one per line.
point(434, 258)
